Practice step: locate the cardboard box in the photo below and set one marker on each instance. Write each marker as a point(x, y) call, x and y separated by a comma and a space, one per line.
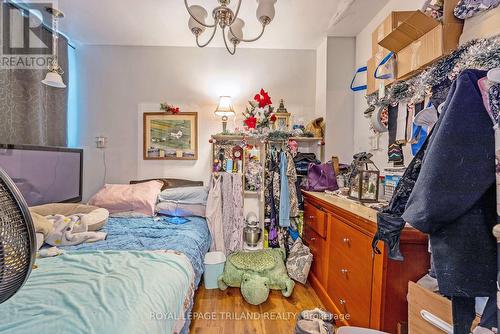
point(386, 27)
point(420, 299)
point(440, 41)
point(421, 40)
point(372, 83)
point(483, 25)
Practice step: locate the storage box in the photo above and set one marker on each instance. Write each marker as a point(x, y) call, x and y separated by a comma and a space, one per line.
point(421, 40)
point(408, 31)
point(440, 41)
point(386, 27)
point(483, 25)
point(421, 302)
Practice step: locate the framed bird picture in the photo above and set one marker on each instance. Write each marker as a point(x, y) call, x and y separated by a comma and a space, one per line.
point(170, 136)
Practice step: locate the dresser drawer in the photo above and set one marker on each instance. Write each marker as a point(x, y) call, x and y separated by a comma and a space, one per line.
point(318, 248)
point(350, 272)
point(347, 240)
point(315, 217)
point(350, 285)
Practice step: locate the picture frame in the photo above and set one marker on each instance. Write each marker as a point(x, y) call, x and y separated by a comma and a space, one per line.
point(170, 136)
point(282, 121)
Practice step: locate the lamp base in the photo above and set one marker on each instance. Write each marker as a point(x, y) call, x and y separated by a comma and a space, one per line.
point(224, 124)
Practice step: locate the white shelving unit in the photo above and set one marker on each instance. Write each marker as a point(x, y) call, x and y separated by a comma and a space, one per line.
point(254, 200)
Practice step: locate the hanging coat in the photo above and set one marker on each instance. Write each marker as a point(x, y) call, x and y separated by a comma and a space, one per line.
point(454, 199)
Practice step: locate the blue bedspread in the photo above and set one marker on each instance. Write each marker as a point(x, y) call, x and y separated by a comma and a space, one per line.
point(100, 292)
point(192, 238)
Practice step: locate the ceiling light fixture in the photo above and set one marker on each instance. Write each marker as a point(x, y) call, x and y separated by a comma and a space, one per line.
point(225, 18)
point(53, 77)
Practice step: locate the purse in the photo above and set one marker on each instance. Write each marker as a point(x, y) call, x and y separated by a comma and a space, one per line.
point(299, 261)
point(321, 177)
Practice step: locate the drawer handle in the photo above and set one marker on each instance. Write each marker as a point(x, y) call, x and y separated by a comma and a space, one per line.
point(346, 240)
point(344, 271)
point(312, 217)
point(312, 239)
point(342, 302)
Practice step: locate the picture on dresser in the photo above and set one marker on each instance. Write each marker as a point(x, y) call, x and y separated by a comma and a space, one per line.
point(170, 136)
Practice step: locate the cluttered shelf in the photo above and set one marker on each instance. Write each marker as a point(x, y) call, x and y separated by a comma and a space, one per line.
point(231, 137)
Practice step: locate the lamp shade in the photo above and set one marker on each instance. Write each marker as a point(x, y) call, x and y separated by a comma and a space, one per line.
point(225, 107)
point(201, 14)
point(266, 10)
point(54, 79)
point(237, 30)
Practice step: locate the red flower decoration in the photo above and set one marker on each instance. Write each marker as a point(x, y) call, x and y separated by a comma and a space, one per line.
point(175, 110)
point(251, 122)
point(263, 98)
point(273, 118)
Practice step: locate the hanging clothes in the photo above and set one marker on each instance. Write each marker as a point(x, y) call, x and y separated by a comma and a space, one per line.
point(232, 212)
point(214, 214)
point(395, 150)
point(270, 205)
point(284, 209)
point(236, 241)
point(454, 198)
point(401, 123)
point(291, 174)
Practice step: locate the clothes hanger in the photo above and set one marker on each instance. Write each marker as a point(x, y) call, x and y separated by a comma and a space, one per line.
point(494, 75)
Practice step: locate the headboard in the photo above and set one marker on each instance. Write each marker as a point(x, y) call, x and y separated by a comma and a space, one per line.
point(172, 183)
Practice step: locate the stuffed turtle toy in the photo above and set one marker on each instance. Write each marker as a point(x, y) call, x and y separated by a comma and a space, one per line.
point(255, 273)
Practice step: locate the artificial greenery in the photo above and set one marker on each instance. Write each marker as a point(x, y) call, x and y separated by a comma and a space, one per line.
point(481, 54)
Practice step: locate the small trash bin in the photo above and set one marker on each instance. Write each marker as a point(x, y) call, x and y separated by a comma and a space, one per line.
point(214, 267)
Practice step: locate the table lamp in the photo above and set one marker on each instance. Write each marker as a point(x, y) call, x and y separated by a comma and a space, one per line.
point(225, 109)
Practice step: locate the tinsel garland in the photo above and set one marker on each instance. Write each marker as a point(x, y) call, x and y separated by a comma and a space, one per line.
point(481, 54)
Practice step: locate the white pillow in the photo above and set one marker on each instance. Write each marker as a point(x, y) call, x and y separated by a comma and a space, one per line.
point(185, 195)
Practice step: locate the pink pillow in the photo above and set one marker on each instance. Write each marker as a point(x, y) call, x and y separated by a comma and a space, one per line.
point(139, 197)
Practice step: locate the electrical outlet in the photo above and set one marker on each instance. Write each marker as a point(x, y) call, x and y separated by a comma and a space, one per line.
point(101, 142)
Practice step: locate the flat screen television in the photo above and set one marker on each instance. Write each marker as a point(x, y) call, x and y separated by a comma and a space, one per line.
point(44, 174)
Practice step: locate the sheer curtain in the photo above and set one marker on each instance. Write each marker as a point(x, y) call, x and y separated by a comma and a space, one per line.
point(31, 112)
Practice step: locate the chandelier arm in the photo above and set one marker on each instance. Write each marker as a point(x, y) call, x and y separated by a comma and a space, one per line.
point(249, 40)
point(208, 42)
point(236, 12)
point(225, 43)
point(194, 17)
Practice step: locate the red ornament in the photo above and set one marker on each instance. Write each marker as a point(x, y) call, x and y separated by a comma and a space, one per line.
point(273, 118)
point(251, 122)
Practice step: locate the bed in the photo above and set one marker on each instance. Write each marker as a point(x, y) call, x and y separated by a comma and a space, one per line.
point(141, 279)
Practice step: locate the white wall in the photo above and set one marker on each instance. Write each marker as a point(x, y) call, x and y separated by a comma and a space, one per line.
point(363, 53)
point(341, 54)
point(114, 81)
point(321, 77)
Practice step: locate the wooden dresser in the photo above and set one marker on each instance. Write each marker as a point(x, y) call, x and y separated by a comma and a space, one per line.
point(367, 289)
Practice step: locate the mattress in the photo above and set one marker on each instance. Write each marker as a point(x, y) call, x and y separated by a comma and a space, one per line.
point(133, 239)
point(102, 292)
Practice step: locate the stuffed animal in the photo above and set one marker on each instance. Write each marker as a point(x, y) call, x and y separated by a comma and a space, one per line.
point(255, 273)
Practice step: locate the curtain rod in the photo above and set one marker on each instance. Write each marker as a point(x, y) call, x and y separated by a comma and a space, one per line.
point(21, 8)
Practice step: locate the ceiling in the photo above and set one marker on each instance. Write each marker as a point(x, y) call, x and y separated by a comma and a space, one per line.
point(299, 24)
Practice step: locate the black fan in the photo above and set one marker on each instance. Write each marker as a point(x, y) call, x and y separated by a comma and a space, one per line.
point(17, 239)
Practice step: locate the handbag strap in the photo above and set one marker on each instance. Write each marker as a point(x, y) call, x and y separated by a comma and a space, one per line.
point(382, 63)
point(361, 87)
